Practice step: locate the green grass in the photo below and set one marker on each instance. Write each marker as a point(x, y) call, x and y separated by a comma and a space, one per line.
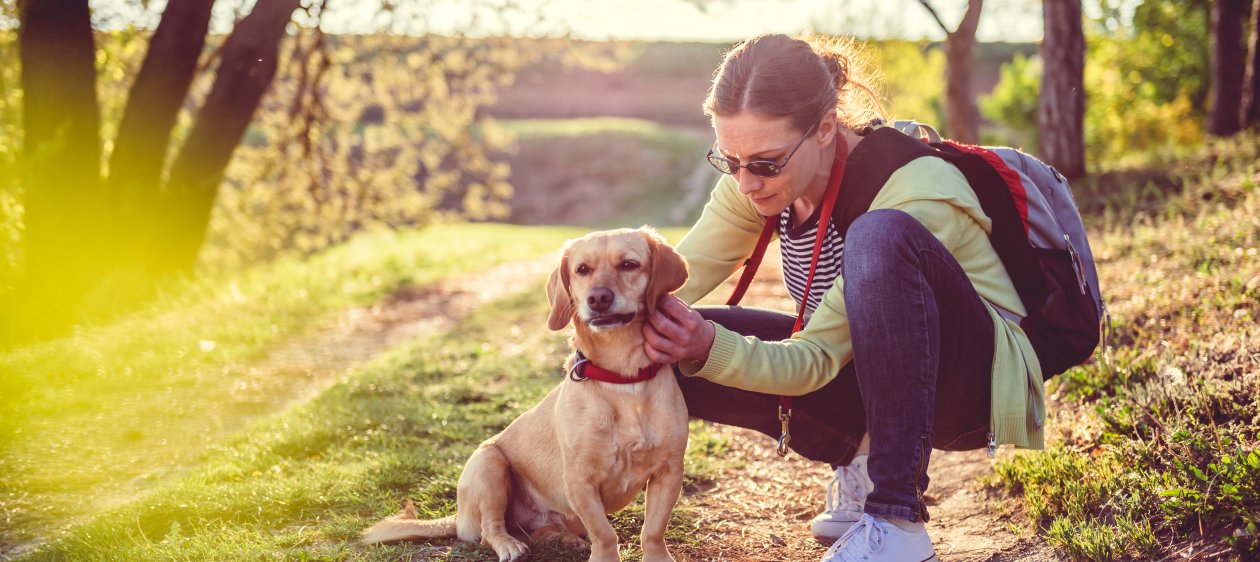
point(302, 484)
point(1160, 446)
point(117, 410)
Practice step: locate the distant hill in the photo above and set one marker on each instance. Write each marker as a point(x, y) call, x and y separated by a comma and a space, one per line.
point(663, 82)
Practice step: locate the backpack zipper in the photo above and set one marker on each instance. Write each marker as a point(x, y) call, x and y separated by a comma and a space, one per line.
point(1076, 263)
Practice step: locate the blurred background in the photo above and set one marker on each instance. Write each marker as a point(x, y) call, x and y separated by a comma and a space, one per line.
point(142, 140)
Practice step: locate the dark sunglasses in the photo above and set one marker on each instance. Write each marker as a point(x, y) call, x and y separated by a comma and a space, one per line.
point(761, 168)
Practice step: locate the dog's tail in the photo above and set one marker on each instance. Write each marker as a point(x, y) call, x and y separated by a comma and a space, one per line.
point(406, 527)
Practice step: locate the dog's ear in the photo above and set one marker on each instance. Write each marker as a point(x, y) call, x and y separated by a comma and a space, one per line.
point(558, 295)
point(668, 270)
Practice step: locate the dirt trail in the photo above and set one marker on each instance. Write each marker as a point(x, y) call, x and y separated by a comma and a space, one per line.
point(364, 332)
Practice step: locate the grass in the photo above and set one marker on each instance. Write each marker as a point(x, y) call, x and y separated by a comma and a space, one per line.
point(117, 410)
point(1156, 451)
point(302, 484)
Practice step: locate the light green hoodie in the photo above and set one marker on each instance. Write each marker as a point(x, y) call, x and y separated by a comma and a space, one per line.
point(928, 189)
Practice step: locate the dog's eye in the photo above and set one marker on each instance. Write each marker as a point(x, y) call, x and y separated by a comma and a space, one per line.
point(628, 265)
point(582, 269)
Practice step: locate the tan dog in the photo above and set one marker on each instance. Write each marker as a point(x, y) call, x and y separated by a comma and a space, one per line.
point(590, 446)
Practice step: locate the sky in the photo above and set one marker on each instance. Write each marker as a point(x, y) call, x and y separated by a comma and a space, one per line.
point(675, 20)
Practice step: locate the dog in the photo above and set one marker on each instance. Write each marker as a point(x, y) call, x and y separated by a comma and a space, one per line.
point(590, 446)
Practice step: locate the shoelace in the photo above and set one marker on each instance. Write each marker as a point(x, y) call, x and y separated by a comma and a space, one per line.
point(842, 490)
point(850, 544)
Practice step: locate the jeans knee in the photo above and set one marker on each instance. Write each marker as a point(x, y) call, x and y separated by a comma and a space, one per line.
point(876, 243)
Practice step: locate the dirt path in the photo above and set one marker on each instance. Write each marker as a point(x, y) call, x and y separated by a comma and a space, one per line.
point(364, 332)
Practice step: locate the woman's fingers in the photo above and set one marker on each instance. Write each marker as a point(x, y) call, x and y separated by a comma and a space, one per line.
point(658, 347)
point(675, 331)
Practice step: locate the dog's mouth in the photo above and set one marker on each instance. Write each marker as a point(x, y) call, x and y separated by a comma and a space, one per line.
point(611, 320)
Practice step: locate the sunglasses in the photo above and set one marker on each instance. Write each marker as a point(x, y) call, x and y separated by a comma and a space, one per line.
point(760, 168)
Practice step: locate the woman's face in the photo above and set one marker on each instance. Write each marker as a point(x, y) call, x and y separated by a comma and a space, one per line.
point(748, 136)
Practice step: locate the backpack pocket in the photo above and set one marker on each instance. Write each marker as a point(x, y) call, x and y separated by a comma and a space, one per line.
point(1065, 329)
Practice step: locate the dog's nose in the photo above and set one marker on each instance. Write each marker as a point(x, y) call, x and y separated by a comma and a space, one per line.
point(599, 299)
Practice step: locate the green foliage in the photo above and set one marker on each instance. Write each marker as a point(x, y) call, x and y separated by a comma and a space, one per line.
point(1159, 443)
point(401, 138)
point(1013, 102)
point(910, 79)
point(1171, 49)
point(1146, 80)
point(1127, 112)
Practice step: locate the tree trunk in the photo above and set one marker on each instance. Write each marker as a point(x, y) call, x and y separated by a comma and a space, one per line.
point(961, 111)
point(1061, 107)
point(1227, 67)
point(1249, 113)
point(962, 115)
point(62, 151)
point(160, 88)
point(248, 64)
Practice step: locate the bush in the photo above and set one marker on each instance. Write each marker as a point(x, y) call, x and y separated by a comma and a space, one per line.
point(1013, 103)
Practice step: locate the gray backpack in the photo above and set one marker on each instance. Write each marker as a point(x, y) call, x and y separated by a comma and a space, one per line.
point(1037, 232)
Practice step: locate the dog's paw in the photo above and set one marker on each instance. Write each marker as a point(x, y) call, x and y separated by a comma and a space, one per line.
point(604, 555)
point(656, 553)
point(511, 550)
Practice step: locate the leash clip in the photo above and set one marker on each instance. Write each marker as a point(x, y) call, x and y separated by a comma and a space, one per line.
point(575, 372)
point(785, 416)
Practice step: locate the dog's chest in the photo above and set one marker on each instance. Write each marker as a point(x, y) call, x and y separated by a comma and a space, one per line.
point(641, 443)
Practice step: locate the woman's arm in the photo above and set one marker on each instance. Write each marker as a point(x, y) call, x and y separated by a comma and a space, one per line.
point(720, 241)
point(812, 357)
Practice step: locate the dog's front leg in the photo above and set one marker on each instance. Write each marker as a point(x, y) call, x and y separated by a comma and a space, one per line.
point(663, 490)
point(586, 502)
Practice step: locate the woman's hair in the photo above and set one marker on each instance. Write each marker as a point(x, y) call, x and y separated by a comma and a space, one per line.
point(800, 78)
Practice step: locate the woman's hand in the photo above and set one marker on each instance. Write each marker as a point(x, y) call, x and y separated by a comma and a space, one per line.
point(676, 332)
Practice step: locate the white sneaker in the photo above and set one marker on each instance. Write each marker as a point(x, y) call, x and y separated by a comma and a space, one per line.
point(846, 496)
point(872, 539)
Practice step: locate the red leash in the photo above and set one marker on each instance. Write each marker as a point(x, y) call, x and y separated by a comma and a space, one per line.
point(754, 260)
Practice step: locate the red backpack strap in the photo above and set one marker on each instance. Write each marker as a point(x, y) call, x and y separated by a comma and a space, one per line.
point(753, 262)
point(750, 268)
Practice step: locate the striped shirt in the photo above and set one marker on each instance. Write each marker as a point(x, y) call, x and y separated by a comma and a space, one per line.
point(797, 245)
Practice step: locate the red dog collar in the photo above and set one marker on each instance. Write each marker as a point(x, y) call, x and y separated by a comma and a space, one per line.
point(584, 369)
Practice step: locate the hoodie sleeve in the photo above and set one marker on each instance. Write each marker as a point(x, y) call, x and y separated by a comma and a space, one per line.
point(720, 241)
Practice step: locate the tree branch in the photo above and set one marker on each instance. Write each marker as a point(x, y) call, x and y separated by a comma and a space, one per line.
point(935, 16)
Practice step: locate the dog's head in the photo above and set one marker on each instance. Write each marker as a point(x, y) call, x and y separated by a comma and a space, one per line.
point(606, 280)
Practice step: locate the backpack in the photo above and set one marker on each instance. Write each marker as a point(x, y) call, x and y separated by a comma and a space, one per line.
point(1037, 232)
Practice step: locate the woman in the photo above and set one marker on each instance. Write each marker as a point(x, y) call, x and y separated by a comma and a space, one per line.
point(904, 343)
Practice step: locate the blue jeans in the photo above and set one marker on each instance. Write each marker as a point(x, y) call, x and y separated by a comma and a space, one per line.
point(920, 377)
